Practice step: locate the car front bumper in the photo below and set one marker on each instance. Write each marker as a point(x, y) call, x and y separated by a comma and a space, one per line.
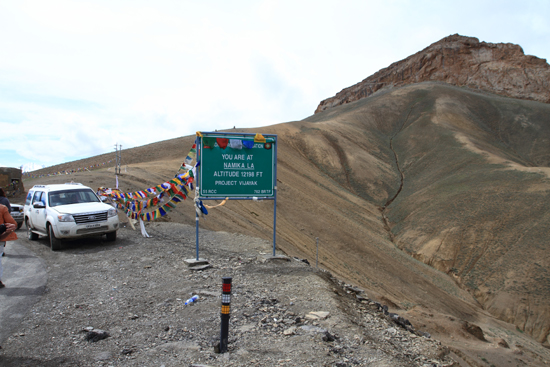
point(71, 230)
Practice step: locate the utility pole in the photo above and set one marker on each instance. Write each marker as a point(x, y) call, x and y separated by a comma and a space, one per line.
point(118, 159)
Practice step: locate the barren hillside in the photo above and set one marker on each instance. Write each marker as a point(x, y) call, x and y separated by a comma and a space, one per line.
point(431, 194)
point(474, 173)
point(432, 198)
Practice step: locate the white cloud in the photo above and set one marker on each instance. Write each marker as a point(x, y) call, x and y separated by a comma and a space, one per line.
point(80, 76)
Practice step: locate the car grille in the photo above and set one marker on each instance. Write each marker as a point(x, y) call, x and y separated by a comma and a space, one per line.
point(92, 230)
point(90, 217)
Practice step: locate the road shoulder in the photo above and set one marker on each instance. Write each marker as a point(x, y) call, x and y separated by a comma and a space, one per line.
point(25, 278)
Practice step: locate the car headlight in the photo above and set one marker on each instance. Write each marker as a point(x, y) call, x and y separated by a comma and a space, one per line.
point(111, 212)
point(65, 218)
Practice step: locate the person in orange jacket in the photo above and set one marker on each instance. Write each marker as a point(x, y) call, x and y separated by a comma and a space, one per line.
point(8, 235)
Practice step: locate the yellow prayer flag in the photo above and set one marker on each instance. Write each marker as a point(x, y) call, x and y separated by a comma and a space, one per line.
point(259, 138)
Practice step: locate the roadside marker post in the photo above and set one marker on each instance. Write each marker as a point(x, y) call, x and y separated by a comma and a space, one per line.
point(226, 306)
point(317, 255)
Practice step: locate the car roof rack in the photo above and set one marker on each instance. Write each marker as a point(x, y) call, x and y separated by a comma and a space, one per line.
point(50, 185)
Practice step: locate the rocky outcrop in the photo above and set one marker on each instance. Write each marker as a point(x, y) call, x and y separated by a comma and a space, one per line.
point(500, 68)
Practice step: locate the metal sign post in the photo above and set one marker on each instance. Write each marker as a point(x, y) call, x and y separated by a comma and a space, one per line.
point(237, 166)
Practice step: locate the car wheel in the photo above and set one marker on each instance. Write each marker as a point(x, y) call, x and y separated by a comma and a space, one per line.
point(55, 244)
point(30, 234)
point(111, 236)
point(19, 225)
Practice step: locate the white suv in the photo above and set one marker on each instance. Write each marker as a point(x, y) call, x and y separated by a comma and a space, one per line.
point(17, 214)
point(68, 211)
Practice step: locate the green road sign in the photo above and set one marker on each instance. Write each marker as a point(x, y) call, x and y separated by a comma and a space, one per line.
point(231, 169)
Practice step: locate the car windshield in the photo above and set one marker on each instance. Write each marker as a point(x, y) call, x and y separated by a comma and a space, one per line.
point(68, 197)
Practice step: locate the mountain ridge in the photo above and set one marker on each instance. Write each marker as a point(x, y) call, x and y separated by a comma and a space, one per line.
point(430, 196)
point(500, 68)
point(419, 254)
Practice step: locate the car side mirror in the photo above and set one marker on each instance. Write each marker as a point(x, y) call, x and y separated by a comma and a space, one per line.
point(39, 205)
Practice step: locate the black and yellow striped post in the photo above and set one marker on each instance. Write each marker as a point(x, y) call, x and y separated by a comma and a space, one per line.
point(226, 306)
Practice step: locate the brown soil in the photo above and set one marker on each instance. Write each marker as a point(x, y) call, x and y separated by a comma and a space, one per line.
point(445, 251)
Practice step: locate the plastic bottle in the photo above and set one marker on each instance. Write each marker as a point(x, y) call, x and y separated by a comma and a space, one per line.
point(192, 300)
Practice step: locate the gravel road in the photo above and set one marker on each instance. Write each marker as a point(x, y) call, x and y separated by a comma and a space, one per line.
point(122, 304)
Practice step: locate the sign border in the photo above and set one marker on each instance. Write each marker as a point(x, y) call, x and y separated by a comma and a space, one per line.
point(247, 196)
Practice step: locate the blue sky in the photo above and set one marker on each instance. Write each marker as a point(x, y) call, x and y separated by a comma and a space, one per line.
point(78, 77)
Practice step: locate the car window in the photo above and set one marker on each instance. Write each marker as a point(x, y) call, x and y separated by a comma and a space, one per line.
point(68, 197)
point(29, 197)
point(38, 197)
point(57, 198)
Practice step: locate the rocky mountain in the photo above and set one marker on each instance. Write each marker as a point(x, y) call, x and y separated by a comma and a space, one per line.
point(433, 198)
point(500, 68)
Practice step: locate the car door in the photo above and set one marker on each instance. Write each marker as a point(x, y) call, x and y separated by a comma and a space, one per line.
point(38, 212)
